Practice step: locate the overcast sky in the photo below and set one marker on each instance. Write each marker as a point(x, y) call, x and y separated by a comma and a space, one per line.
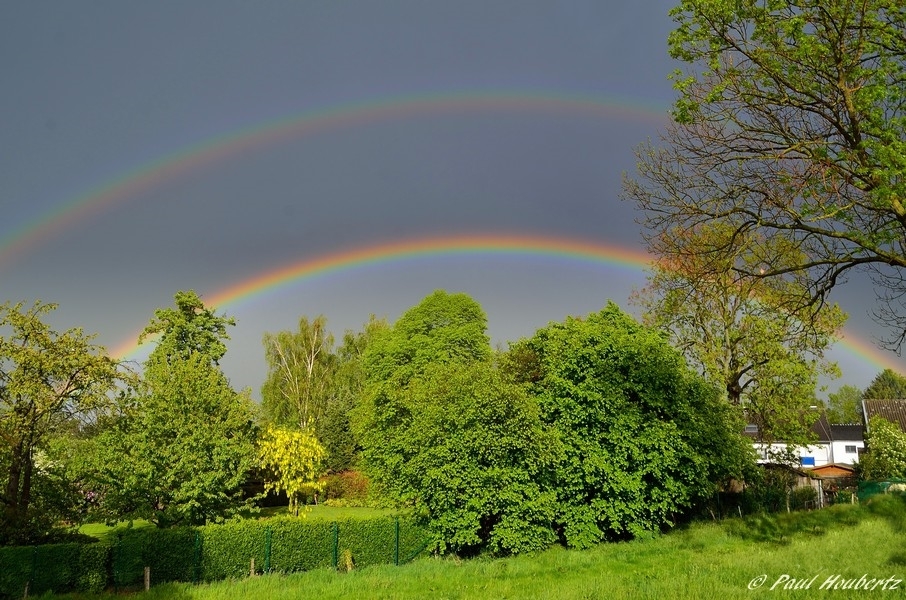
point(149, 147)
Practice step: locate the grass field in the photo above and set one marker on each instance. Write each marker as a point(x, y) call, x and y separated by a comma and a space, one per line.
point(704, 560)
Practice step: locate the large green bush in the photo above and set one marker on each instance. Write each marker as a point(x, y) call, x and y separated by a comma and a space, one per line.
point(644, 439)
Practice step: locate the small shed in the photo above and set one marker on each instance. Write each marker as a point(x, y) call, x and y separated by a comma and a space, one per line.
point(834, 471)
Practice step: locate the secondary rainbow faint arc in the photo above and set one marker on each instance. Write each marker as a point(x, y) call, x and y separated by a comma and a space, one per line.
point(479, 244)
point(214, 149)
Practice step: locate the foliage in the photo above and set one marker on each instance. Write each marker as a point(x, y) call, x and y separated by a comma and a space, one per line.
point(351, 486)
point(704, 560)
point(336, 431)
point(887, 385)
point(886, 456)
point(53, 568)
point(282, 545)
point(49, 381)
point(738, 333)
point(181, 451)
point(444, 433)
point(293, 461)
point(170, 554)
point(188, 329)
point(442, 328)
point(301, 367)
point(790, 125)
point(644, 438)
point(845, 405)
point(312, 386)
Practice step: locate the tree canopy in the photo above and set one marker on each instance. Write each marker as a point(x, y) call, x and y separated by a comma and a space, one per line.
point(301, 367)
point(443, 432)
point(790, 128)
point(887, 385)
point(738, 333)
point(886, 456)
point(182, 449)
point(845, 405)
point(48, 381)
point(644, 437)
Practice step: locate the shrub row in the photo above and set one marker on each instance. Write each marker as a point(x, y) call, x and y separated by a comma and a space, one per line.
point(208, 553)
point(53, 568)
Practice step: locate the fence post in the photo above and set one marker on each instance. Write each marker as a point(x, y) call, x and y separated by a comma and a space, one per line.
point(396, 543)
point(113, 554)
point(196, 557)
point(336, 545)
point(267, 550)
point(147, 578)
point(31, 577)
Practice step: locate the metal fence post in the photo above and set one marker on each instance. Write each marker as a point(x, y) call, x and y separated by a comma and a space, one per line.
point(30, 584)
point(267, 550)
point(196, 557)
point(114, 554)
point(336, 545)
point(396, 543)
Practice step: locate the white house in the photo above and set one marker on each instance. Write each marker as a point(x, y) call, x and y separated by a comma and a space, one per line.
point(834, 444)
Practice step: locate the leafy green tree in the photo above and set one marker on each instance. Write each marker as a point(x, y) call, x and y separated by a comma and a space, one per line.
point(188, 329)
point(737, 332)
point(887, 385)
point(181, 451)
point(644, 437)
point(444, 433)
point(335, 430)
point(301, 368)
point(443, 328)
point(790, 123)
point(845, 405)
point(48, 381)
point(293, 461)
point(886, 456)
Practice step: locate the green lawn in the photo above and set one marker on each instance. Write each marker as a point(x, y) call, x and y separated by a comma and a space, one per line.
point(705, 560)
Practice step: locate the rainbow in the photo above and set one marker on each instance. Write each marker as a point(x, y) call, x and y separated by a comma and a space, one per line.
point(535, 246)
point(216, 149)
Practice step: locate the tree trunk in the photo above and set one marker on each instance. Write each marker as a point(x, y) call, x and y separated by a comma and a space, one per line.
point(18, 489)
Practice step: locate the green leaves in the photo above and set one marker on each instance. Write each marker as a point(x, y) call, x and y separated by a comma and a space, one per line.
point(181, 452)
point(443, 432)
point(643, 438)
point(886, 457)
point(789, 124)
point(48, 381)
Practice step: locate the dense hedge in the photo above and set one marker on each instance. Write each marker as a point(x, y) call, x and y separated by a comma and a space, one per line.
point(207, 553)
point(53, 567)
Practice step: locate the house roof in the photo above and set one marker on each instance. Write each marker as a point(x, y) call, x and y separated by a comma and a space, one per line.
point(854, 432)
point(893, 410)
point(826, 433)
point(834, 470)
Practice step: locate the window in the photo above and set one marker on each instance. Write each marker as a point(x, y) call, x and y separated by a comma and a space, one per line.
point(750, 428)
point(851, 450)
point(808, 461)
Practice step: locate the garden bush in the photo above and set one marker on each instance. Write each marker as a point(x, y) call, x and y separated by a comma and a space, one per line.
point(53, 568)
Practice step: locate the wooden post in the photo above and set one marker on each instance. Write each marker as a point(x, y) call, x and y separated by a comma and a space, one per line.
point(147, 578)
point(252, 567)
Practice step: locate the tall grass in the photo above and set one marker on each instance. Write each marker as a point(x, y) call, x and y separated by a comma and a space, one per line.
point(704, 560)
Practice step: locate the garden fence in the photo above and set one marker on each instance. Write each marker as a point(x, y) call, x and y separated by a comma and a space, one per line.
point(210, 553)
